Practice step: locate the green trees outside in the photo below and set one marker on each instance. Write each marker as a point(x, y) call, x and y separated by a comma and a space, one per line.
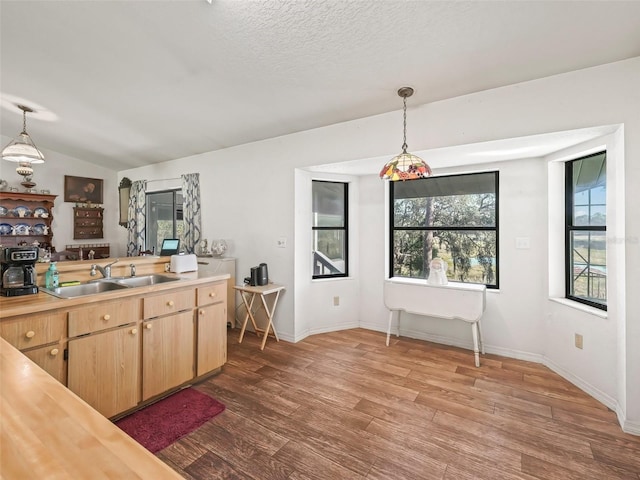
point(449, 227)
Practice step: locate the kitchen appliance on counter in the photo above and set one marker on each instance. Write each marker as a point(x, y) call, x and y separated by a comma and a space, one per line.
point(17, 266)
point(258, 276)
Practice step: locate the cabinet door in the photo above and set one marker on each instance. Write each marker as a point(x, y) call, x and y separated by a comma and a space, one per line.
point(104, 370)
point(212, 337)
point(167, 353)
point(51, 360)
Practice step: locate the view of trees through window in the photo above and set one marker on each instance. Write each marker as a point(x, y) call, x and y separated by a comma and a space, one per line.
point(453, 218)
point(586, 230)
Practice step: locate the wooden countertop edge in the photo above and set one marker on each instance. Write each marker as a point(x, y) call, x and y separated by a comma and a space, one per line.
point(26, 304)
point(49, 432)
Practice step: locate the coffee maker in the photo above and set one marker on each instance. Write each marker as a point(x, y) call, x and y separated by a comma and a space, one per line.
point(17, 266)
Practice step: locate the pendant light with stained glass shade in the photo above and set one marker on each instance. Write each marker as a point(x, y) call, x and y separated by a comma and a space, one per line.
point(405, 166)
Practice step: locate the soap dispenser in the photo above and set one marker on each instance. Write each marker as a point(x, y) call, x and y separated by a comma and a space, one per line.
point(51, 278)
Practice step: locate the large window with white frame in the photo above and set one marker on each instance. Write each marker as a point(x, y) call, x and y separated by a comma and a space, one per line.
point(453, 217)
point(330, 229)
point(586, 230)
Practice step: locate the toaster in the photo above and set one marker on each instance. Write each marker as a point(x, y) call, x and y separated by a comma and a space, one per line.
point(183, 263)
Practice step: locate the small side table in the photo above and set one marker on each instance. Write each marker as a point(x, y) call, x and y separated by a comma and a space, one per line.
point(248, 294)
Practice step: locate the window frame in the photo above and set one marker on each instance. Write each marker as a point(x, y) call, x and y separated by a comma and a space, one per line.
point(570, 229)
point(496, 228)
point(175, 192)
point(344, 229)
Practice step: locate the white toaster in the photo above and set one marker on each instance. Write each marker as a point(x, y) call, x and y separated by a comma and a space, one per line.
point(183, 263)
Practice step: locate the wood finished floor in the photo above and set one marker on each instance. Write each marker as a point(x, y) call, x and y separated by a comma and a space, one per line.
point(342, 405)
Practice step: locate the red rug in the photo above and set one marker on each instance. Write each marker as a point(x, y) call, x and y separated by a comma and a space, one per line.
point(162, 423)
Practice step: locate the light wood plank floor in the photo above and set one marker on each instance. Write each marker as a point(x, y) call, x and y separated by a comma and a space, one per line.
point(342, 405)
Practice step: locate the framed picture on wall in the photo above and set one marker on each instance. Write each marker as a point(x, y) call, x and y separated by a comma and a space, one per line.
point(82, 189)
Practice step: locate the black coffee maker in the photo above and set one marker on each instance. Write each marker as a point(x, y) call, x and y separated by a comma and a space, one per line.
point(18, 271)
point(259, 276)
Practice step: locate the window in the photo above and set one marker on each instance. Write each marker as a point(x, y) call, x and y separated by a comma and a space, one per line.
point(586, 230)
point(454, 218)
point(164, 217)
point(330, 229)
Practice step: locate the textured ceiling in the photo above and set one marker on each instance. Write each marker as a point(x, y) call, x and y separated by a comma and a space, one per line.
point(131, 83)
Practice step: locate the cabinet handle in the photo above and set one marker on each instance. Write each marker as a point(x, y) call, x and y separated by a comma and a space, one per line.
point(212, 294)
point(201, 312)
point(107, 317)
point(30, 334)
point(170, 303)
point(53, 352)
point(148, 326)
point(134, 331)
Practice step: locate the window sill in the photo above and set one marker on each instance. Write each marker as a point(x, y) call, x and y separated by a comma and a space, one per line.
point(579, 306)
point(334, 279)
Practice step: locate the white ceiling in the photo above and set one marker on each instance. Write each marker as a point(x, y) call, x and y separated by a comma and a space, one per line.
point(129, 83)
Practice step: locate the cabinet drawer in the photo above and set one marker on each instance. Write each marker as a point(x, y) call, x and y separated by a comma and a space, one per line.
point(103, 315)
point(214, 293)
point(36, 330)
point(168, 302)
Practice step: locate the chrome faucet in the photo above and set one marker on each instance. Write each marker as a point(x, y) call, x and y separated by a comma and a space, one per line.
point(133, 269)
point(105, 271)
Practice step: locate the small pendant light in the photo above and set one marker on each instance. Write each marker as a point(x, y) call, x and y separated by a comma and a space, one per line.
point(405, 166)
point(22, 149)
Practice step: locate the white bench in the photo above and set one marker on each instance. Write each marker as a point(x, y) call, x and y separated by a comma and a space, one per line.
point(463, 301)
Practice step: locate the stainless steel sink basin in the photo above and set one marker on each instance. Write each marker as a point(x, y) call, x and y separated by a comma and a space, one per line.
point(145, 280)
point(73, 291)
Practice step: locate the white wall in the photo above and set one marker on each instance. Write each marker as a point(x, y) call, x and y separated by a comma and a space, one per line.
point(249, 195)
point(50, 176)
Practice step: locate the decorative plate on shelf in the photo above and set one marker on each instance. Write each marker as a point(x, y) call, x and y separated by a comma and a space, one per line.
point(21, 211)
point(4, 211)
point(21, 229)
point(39, 229)
point(5, 229)
point(40, 212)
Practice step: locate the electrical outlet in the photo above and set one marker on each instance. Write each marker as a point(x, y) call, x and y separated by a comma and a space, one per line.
point(336, 301)
point(282, 242)
point(167, 267)
point(578, 341)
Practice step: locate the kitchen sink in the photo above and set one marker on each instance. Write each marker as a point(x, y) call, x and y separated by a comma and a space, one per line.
point(144, 280)
point(107, 285)
point(84, 289)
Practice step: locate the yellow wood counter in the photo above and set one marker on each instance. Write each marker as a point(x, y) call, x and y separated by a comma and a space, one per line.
point(48, 432)
point(26, 304)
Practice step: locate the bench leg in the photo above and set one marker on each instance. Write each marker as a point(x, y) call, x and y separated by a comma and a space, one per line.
point(476, 351)
point(389, 326)
point(481, 337)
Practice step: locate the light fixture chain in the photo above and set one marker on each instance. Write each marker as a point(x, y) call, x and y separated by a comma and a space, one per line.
point(24, 121)
point(404, 138)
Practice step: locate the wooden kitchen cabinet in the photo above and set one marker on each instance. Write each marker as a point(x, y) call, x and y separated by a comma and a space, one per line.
point(41, 338)
point(104, 369)
point(167, 353)
point(211, 316)
point(51, 360)
point(103, 315)
point(35, 330)
point(87, 222)
point(26, 218)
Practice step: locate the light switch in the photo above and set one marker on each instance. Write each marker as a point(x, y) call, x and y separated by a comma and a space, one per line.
point(523, 243)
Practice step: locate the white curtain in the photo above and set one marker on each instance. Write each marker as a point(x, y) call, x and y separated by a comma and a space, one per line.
point(137, 218)
point(191, 219)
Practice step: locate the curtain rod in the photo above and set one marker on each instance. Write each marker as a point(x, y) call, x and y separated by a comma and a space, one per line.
point(163, 179)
